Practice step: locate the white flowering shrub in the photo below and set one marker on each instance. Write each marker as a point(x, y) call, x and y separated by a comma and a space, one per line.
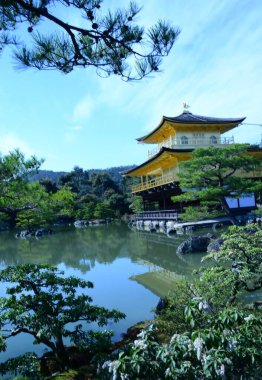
point(229, 347)
point(212, 335)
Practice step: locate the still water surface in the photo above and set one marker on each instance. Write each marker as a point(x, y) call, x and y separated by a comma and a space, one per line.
point(130, 269)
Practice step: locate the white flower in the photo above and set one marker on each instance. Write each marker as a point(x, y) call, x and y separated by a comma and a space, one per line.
point(221, 371)
point(140, 344)
point(106, 364)
point(112, 367)
point(174, 337)
point(39, 333)
point(124, 376)
point(249, 318)
point(232, 344)
point(167, 372)
point(198, 344)
point(142, 334)
point(204, 305)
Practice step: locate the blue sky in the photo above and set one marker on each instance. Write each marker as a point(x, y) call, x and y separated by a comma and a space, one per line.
point(82, 119)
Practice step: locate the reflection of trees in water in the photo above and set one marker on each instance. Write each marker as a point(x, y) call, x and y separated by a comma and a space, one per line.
point(103, 243)
point(77, 248)
point(8, 249)
point(82, 248)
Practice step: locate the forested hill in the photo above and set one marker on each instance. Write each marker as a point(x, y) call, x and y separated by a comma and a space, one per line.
point(46, 174)
point(114, 172)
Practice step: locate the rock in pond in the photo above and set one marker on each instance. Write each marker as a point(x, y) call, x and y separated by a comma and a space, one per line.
point(81, 223)
point(43, 231)
point(194, 244)
point(26, 234)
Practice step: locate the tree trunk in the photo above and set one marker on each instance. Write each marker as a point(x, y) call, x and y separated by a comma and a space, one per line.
point(61, 353)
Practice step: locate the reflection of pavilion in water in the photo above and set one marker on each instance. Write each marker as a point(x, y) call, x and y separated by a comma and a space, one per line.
point(164, 266)
point(158, 280)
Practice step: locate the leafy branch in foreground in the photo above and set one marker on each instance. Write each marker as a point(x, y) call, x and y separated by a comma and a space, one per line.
point(43, 303)
point(110, 42)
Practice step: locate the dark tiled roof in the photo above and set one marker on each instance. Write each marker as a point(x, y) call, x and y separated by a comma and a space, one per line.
point(188, 117)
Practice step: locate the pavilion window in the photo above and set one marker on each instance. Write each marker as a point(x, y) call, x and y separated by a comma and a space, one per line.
point(184, 140)
point(213, 140)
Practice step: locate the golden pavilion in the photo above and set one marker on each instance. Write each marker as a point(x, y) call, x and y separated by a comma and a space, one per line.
point(174, 139)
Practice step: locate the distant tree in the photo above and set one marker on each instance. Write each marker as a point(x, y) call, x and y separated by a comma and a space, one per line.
point(103, 210)
point(119, 204)
point(46, 208)
point(45, 304)
point(30, 204)
point(49, 185)
point(214, 174)
point(112, 43)
point(101, 183)
point(86, 210)
point(77, 180)
point(136, 204)
point(15, 167)
point(15, 171)
point(62, 203)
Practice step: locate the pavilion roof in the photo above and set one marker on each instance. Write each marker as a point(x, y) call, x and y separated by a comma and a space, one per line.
point(165, 157)
point(189, 121)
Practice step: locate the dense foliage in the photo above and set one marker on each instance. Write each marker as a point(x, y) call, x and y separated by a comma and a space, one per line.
point(45, 304)
point(228, 347)
point(109, 41)
point(40, 203)
point(205, 331)
point(214, 174)
point(97, 194)
point(28, 204)
point(137, 204)
point(14, 185)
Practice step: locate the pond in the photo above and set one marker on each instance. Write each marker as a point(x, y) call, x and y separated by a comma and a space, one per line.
point(130, 269)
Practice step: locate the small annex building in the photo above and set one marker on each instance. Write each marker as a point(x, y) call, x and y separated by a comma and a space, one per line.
point(174, 139)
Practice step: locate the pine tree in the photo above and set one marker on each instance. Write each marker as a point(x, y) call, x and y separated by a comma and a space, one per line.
point(109, 41)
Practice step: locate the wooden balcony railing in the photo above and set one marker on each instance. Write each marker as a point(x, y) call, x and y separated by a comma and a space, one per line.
point(191, 143)
point(165, 179)
point(159, 181)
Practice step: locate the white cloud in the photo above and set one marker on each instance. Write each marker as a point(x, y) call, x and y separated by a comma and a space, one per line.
point(71, 131)
point(83, 109)
point(9, 142)
point(69, 137)
point(75, 128)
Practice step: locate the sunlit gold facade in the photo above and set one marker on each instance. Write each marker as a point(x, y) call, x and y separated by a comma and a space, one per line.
point(174, 140)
